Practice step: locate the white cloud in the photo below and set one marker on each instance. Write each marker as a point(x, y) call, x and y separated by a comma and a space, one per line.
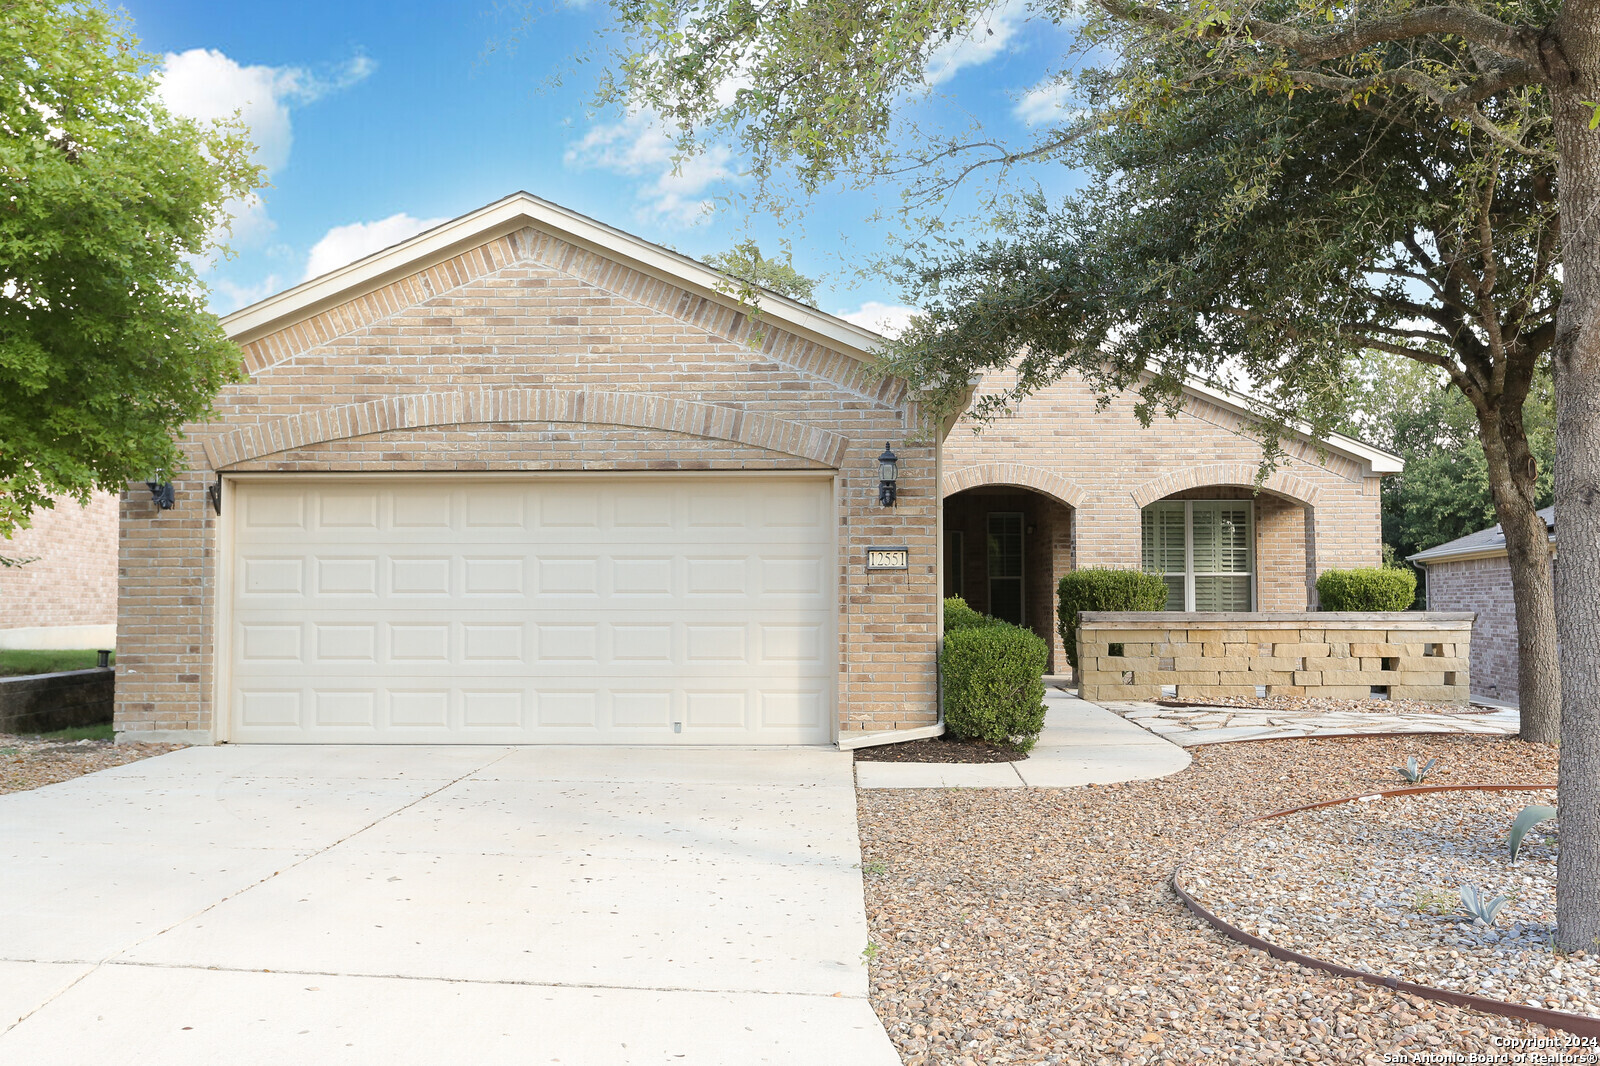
point(234, 296)
point(641, 145)
point(346, 244)
point(1049, 101)
point(888, 319)
point(988, 37)
point(205, 84)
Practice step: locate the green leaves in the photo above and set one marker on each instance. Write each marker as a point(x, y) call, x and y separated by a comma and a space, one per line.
point(1529, 817)
point(106, 347)
point(1479, 906)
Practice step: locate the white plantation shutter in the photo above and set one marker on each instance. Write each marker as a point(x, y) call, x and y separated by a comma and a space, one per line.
point(1204, 545)
point(1165, 552)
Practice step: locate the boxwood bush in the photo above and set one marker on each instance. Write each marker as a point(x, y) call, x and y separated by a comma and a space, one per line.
point(1372, 588)
point(957, 615)
point(994, 683)
point(1099, 588)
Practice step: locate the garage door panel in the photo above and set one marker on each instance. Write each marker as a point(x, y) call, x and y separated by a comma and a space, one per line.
point(618, 609)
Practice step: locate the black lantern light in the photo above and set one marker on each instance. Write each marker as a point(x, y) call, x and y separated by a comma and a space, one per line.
point(161, 494)
point(888, 472)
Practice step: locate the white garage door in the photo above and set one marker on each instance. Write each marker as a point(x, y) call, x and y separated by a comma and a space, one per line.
point(610, 609)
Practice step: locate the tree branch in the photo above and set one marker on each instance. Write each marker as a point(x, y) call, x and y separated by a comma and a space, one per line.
point(1518, 43)
point(1456, 104)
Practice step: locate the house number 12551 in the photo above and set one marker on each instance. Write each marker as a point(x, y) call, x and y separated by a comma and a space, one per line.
point(887, 558)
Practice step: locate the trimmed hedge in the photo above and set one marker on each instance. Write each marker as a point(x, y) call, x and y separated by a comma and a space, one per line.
point(994, 683)
point(957, 615)
point(1099, 588)
point(1371, 588)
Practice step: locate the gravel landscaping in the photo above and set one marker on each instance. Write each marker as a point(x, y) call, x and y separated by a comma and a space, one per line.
point(29, 762)
point(1374, 885)
point(1039, 925)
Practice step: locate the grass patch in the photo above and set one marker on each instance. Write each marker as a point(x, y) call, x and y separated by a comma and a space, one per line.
point(83, 732)
point(14, 662)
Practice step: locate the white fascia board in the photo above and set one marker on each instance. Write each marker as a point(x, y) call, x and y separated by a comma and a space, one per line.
point(506, 216)
point(1380, 461)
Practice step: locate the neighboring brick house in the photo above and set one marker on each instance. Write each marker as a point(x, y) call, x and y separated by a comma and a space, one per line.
point(1473, 573)
point(527, 478)
point(66, 595)
point(1061, 484)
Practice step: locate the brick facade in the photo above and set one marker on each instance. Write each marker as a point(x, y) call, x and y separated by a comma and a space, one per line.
point(531, 352)
point(73, 578)
point(1482, 586)
point(1312, 513)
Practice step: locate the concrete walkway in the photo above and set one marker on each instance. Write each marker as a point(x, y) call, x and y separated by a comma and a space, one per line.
point(1081, 744)
point(438, 905)
point(1190, 726)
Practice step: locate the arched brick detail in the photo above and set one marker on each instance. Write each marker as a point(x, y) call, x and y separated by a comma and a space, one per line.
point(419, 411)
point(1243, 474)
point(1029, 477)
point(721, 319)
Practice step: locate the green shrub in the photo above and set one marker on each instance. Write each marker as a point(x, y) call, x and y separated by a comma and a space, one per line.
point(994, 683)
point(1103, 589)
point(957, 615)
point(1371, 588)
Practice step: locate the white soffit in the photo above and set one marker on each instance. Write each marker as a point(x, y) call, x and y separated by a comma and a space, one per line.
point(507, 216)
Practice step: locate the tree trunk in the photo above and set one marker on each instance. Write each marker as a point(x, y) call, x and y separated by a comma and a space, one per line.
point(1576, 356)
point(1511, 482)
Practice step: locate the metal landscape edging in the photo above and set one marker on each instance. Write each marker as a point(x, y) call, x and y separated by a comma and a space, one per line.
point(1586, 1025)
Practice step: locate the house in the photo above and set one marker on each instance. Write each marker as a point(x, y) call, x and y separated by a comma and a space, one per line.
point(525, 478)
point(1062, 484)
point(64, 595)
point(1473, 573)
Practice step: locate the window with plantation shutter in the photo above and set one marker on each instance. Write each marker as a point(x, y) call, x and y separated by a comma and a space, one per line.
point(1204, 550)
point(1164, 548)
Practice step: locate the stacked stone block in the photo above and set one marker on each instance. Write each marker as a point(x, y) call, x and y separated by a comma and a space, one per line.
point(1400, 655)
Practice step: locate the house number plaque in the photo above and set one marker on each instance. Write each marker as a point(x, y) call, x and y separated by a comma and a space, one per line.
point(887, 558)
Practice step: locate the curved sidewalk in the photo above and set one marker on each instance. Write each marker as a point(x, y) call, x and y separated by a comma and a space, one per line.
point(1082, 744)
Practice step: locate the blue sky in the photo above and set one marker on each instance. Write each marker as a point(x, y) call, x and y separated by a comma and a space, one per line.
point(375, 119)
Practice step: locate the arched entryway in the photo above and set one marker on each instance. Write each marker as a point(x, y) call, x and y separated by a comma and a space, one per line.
point(1006, 547)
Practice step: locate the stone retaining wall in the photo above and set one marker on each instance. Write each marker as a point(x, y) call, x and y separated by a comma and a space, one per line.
point(1143, 655)
point(43, 703)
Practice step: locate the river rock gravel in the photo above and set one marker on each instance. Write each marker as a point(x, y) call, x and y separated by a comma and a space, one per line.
point(31, 761)
point(1039, 925)
point(1375, 885)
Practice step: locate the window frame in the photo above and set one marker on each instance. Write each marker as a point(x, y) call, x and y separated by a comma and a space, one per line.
point(1022, 561)
point(1189, 573)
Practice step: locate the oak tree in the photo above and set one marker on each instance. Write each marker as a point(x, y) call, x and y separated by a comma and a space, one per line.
point(107, 201)
point(1275, 184)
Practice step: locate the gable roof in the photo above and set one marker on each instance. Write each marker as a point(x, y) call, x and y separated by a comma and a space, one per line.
point(514, 212)
point(1380, 461)
point(1484, 544)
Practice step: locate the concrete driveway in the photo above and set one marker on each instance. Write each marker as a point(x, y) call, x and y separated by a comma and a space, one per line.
point(438, 905)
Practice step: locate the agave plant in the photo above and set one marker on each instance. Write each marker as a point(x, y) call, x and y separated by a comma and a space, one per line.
point(1483, 910)
point(1413, 775)
point(1531, 816)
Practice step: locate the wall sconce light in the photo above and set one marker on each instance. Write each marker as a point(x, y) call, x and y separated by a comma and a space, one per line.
point(888, 473)
point(161, 493)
